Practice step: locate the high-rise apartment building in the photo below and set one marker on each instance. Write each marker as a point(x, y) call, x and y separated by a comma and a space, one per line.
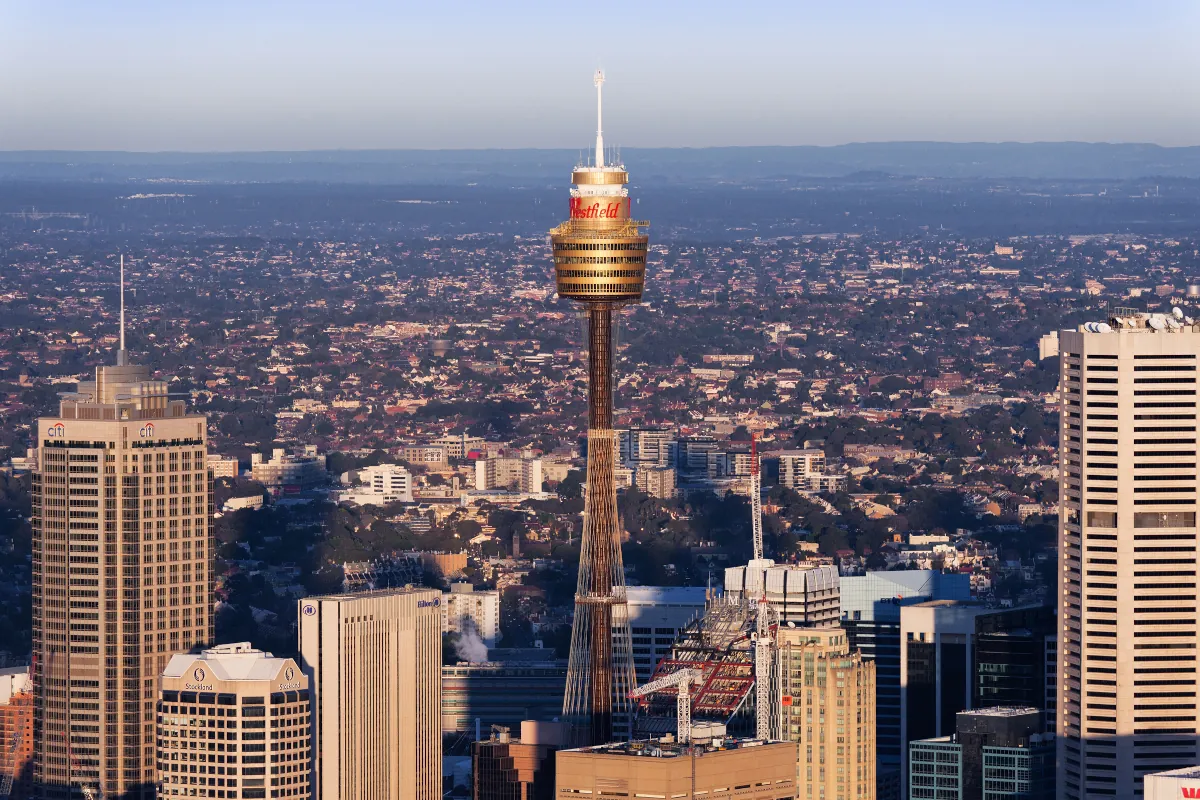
point(795, 466)
point(374, 662)
point(1127, 548)
point(828, 708)
point(258, 710)
point(871, 606)
point(121, 575)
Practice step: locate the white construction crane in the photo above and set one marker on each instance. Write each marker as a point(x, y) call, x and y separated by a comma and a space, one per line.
point(682, 681)
point(756, 499)
point(764, 674)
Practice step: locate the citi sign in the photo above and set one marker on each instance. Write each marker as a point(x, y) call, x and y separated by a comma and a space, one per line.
point(147, 431)
point(597, 210)
point(56, 431)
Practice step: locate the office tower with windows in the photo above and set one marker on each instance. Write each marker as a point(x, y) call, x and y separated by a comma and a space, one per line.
point(828, 708)
point(993, 754)
point(870, 606)
point(374, 664)
point(121, 575)
point(1128, 600)
point(234, 722)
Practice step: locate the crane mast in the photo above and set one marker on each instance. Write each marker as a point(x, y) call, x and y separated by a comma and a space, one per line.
point(682, 681)
point(756, 499)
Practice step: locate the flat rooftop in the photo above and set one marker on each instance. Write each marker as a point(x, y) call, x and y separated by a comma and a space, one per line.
point(656, 748)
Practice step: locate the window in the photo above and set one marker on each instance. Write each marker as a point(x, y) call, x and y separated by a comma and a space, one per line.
point(1102, 519)
point(1164, 519)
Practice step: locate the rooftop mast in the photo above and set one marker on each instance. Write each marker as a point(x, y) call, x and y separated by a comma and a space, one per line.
point(121, 351)
point(599, 81)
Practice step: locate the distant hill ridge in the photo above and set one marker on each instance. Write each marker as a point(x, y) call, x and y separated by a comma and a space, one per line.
point(1000, 160)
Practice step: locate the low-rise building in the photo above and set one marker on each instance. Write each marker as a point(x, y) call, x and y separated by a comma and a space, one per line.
point(721, 768)
point(379, 485)
point(222, 466)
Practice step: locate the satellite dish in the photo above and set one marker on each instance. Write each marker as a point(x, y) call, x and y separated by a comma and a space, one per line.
point(1103, 327)
point(1174, 324)
point(1188, 320)
point(1177, 312)
point(1158, 323)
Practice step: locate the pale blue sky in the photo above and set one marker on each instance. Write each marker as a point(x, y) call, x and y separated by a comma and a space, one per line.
point(261, 74)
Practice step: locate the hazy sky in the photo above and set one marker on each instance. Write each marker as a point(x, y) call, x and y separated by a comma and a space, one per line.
point(261, 74)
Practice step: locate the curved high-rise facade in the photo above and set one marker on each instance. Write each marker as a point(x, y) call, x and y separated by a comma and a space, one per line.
point(599, 262)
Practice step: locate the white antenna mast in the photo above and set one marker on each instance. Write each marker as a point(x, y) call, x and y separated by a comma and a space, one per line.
point(599, 81)
point(121, 351)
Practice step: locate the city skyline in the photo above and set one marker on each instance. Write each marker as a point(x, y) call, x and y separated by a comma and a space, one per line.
point(229, 77)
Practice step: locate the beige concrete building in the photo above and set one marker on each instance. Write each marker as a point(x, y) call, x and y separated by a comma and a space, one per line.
point(722, 769)
point(828, 708)
point(374, 661)
point(1128, 597)
point(121, 575)
point(256, 707)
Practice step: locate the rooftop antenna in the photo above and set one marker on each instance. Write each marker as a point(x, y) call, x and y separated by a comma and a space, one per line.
point(599, 81)
point(121, 351)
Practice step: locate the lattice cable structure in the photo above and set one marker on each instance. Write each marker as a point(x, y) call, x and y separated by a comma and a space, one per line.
point(600, 262)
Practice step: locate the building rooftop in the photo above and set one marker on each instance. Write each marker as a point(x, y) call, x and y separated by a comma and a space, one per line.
point(1000, 711)
point(658, 748)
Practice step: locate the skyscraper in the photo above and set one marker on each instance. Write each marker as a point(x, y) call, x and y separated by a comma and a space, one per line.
point(374, 661)
point(121, 575)
point(1127, 545)
point(600, 262)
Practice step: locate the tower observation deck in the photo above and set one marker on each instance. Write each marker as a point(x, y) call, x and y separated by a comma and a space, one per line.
point(600, 262)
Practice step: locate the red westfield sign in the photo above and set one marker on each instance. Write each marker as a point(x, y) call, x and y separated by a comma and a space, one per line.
point(611, 209)
point(1190, 791)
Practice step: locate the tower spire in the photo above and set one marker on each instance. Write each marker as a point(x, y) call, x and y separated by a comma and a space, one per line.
point(121, 351)
point(599, 81)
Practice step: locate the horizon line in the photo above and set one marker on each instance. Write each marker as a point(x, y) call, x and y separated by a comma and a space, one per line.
point(939, 142)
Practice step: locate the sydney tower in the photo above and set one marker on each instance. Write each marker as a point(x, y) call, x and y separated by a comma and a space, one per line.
point(600, 262)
